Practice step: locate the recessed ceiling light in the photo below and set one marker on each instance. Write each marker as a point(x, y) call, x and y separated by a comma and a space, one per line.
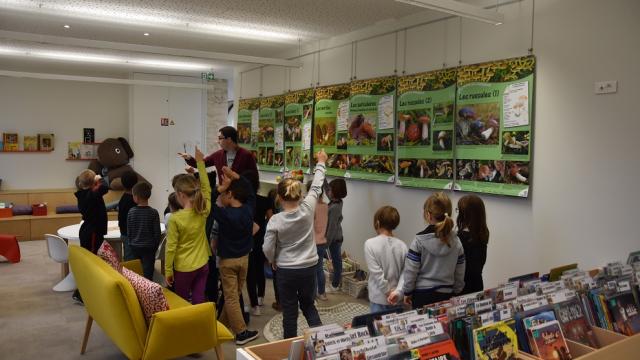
point(146, 34)
point(67, 26)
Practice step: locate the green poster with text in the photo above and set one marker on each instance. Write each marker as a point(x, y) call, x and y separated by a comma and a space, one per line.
point(330, 126)
point(248, 117)
point(424, 129)
point(370, 130)
point(298, 119)
point(494, 114)
point(270, 134)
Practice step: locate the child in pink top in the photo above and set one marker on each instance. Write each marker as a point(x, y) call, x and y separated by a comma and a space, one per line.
point(320, 219)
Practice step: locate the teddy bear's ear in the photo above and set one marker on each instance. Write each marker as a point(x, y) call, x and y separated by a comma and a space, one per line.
point(125, 145)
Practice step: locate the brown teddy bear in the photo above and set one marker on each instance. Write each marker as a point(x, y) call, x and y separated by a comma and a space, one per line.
point(113, 161)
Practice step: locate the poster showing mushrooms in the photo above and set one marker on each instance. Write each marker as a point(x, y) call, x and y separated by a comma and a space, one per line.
point(493, 123)
point(370, 133)
point(328, 133)
point(270, 125)
point(298, 116)
point(424, 129)
point(248, 124)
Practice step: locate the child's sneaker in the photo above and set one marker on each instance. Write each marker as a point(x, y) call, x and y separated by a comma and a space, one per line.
point(246, 336)
point(323, 297)
point(255, 311)
point(260, 301)
point(332, 289)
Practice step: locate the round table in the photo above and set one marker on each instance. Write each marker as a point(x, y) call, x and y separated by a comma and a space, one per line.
point(71, 233)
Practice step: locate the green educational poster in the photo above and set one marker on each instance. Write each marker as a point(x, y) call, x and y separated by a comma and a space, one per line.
point(330, 126)
point(494, 114)
point(424, 129)
point(270, 134)
point(248, 116)
point(298, 119)
point(370, 130)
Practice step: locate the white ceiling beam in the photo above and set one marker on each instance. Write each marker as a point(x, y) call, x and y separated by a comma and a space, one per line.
point(159, 50)
point(458, 8)
point(45, 76)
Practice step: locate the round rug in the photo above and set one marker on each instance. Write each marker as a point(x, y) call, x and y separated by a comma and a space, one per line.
point(339, 314)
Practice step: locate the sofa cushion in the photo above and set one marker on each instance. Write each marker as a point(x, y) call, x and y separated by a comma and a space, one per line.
point(150, 294)
point(21, 210)
point(109, 255)
point(67, 209)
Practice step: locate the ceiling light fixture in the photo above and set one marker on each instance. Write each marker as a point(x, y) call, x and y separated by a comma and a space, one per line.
point(458, 8)
point(67, 26)
point(146, 34)
point(103, 59)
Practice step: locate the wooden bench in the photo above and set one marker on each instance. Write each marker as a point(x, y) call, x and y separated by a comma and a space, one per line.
point(29, 227)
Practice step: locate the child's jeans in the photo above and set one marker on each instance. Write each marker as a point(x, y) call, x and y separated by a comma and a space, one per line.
point(191, 282)
point(127, 252)
point(297, 288)
point(373, 307)
point(322, 251)
point(335, 250)
point(148, 258)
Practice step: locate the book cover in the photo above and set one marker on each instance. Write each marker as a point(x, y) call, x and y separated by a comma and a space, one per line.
point(87, 151)
point(495, 341)
point(574, 323)
point(624, 313)
point(73, 151)
point(89, 135)
point(30, 143)
point(443, 350)
point(535, 320)
point(45, 142)
point(10, 141)
point(549, 341)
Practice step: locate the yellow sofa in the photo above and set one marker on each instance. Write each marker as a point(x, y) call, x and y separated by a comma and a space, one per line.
point(111, 301)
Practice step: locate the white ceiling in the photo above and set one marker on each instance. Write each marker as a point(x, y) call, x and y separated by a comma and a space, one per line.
point(263, 28)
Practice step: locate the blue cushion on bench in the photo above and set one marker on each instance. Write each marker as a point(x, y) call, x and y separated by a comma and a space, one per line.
point(67, 209)
point(22, 210)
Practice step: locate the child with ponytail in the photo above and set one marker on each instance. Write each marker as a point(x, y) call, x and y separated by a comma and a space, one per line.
point(187, 249)
point(290, 248)
point(435, 264)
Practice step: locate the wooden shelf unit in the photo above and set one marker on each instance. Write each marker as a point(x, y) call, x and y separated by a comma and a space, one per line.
point(29, 227)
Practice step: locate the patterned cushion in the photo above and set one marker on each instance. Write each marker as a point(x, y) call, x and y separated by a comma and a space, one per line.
point(109, 255)
point(150, 295)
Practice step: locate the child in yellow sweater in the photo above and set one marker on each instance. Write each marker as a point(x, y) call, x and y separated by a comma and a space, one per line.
point(187, 249)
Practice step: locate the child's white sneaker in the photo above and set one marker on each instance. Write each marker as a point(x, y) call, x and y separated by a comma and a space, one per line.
point(323, 297)
point(255, 311)
point(332, 289)
point(260, 301)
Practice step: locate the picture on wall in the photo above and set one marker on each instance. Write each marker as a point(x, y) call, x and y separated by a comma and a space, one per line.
point(271, 132)
point(425, 124)
point(493, 124)
point(248, 126)
point(370, 130)
point(330, 117)
point(298, 113)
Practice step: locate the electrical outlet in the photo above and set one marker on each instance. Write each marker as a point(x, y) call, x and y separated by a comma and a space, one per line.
point(605, 87)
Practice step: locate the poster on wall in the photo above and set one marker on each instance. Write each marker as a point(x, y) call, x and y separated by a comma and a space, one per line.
point(330, 126)
point(248, 114)
point(494, 103)
point(271, 134)
point(371, 130)
point(424, 129)
point(298, 119)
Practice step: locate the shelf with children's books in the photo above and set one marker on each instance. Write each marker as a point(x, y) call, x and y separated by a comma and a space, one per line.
point(81, 151)
point(25, 151)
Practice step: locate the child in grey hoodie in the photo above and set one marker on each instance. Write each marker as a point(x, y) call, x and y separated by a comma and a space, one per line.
point(435, 264)
point(289, 247)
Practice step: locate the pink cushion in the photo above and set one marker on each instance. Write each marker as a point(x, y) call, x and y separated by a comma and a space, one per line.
point(109, 255)
point(150, 295)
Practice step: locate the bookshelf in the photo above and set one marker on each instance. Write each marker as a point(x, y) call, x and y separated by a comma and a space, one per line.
point(25, 151)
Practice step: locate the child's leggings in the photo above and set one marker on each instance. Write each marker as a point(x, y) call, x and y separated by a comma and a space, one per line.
point(191, 283)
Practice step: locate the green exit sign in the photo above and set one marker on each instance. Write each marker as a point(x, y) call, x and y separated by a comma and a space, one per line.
point(207, 76)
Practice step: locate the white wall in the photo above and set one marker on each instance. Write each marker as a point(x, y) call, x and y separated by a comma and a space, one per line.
point(64, 108)
point(583, 205)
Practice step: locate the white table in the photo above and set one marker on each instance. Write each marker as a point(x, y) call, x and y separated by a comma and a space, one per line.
point(71, 233)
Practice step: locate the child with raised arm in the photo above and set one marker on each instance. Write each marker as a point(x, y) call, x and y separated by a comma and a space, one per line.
point(384, 255)
point(289, 247)
point(434, 267)
point(187, 249)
